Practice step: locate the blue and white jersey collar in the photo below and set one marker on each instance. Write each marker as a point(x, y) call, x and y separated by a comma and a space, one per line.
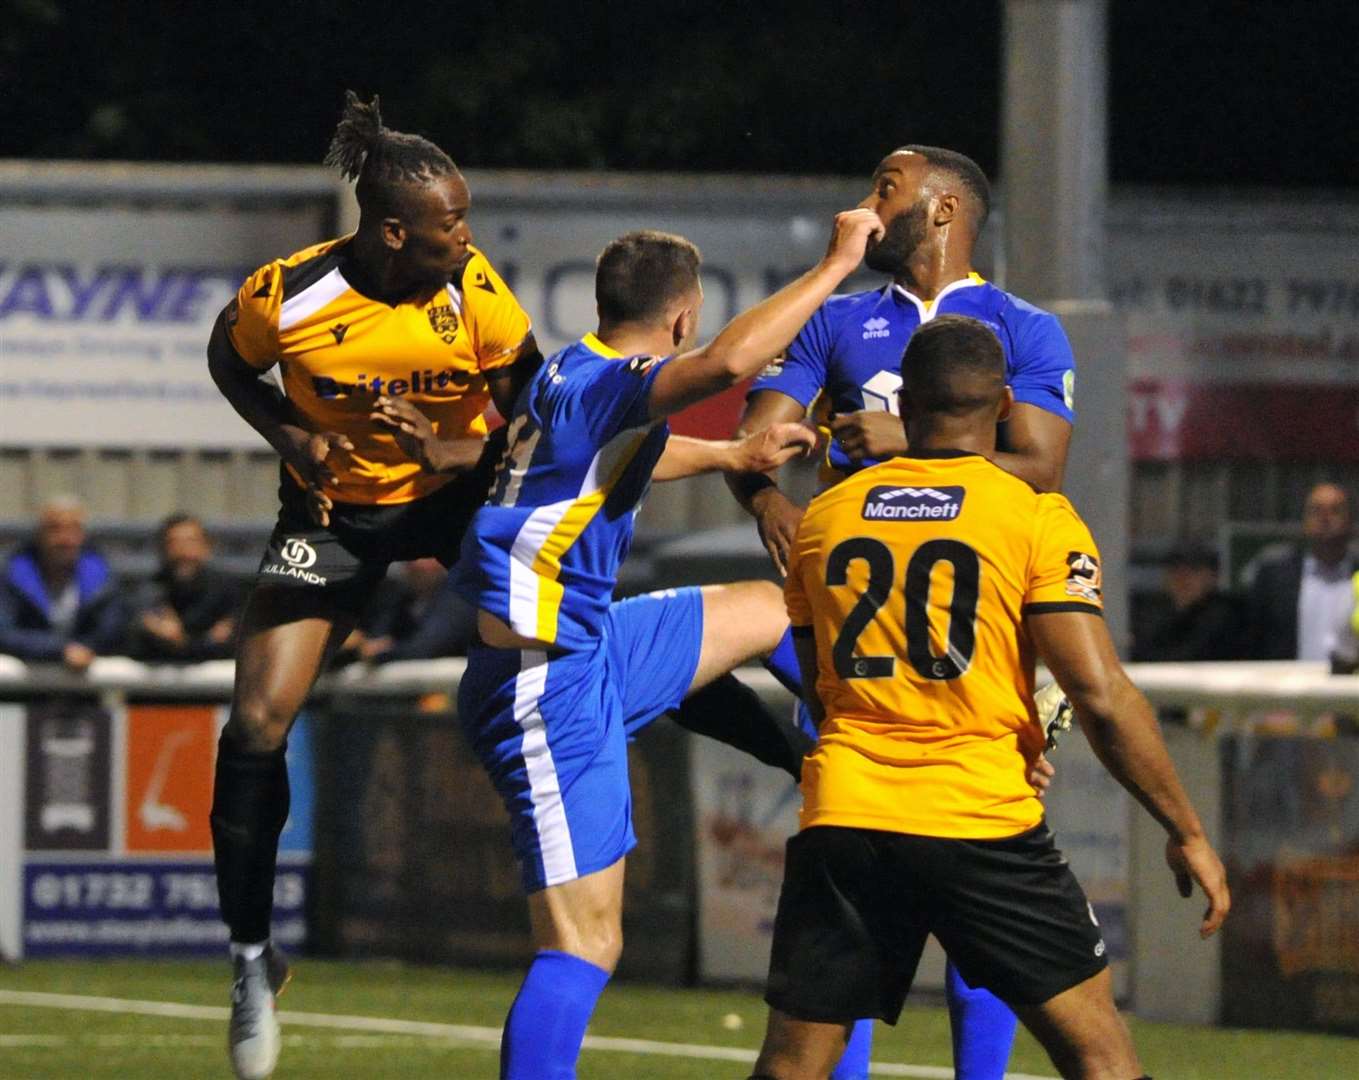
point(927, 309)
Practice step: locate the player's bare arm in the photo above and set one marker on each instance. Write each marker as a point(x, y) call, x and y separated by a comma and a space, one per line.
point(267, 411)
point(1038, 442)
point(776, 515)
point(760, 451)
point(504, 383)
point(869, 434)
point(421, 442)
point(754, 337)
point(1122, 729)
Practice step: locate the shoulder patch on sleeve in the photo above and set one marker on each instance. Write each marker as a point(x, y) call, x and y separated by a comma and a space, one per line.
point(1084, 577)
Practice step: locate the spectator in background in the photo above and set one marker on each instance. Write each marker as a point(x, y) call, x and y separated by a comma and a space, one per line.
point(1301, 602)
point(58, 599)
point(188, 611)
point(1200, 621)
point(414, 617)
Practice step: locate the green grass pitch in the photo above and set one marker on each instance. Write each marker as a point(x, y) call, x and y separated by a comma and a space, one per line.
point(43, 1043)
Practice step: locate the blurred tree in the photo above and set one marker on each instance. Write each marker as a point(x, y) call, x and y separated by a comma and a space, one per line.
point(693, 84)
point(1200, 91)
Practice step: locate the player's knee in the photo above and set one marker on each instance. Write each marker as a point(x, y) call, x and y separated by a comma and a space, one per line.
point(1111, 1053)
point(789, 1063)
point(258, 725)
point(610, 947)
point(763, 614)
point(601, 944)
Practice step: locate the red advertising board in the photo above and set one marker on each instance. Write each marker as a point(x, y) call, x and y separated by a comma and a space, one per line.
point(1180, 420)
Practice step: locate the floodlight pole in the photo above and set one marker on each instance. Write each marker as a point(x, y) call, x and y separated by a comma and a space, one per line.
point(1054, 147)
point(1055, 185)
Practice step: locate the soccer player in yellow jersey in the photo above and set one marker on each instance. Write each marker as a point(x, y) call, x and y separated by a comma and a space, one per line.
point(392, 343)
point(921, 590)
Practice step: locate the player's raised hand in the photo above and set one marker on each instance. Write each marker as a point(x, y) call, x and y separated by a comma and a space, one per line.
point(1195, 860)
point(849, 238)
point(869, 434)
point(775, 445)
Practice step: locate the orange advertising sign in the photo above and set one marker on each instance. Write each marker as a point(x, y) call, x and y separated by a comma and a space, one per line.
point(171, 750)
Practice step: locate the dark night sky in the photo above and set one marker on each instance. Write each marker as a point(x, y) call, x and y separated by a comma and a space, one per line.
point(1200, 92)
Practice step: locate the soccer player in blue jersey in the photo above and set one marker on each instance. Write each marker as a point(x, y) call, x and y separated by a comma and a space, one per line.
point(563, 675)
point(845, 366)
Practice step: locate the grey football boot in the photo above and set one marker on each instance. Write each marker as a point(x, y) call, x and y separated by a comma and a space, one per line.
point(253, 1038)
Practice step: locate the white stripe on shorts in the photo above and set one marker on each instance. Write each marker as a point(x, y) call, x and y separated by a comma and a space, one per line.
point(549, 812)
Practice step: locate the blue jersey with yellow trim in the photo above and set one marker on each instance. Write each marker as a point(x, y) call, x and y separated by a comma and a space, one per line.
point(851, 348)
point(543, 553)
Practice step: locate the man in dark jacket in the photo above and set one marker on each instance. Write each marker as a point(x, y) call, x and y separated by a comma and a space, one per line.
point(1198, 620)
point(1301, 602)
point(187, 612)
point(58, 599)
point(415, 616)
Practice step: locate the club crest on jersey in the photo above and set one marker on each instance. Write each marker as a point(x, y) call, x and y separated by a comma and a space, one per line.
point(1084, 577)
point(885, 503)
point(443, 320)
point(876, 327)
point(640, 365)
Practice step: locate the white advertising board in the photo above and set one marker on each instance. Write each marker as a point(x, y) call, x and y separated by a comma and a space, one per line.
point(105, 313)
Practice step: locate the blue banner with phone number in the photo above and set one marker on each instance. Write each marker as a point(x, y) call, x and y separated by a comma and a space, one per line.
point(84, 894)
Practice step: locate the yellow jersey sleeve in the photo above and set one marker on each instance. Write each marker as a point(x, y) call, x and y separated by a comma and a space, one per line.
point(499, 325)
point(795, 592)
point(252, 317)
point(1065, 573)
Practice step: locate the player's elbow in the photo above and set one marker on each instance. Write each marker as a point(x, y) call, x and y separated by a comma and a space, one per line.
point(1093, 692)
point(725, 369)
point(729, 360)
point(1042, 472)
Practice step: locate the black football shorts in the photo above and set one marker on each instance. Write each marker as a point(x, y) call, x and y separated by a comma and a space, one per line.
point(858, 904)
point(347, 558)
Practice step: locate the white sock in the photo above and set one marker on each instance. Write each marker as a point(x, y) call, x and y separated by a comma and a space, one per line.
point(248, 950)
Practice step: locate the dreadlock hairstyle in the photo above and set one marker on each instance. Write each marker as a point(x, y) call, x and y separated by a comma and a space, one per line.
point(380, 159)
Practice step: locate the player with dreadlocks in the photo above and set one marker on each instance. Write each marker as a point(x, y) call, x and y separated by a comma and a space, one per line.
point(392, 343)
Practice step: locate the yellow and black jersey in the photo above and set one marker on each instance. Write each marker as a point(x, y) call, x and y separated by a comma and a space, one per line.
point(339, 350)
point(915, 576)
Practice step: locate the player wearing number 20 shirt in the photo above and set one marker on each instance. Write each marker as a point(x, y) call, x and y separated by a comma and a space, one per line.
point(913, 575)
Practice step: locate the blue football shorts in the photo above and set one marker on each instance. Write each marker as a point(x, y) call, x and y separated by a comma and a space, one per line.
point(551, 727)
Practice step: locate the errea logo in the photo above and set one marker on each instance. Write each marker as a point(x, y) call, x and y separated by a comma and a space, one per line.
point(884, 503)
point(876, 327)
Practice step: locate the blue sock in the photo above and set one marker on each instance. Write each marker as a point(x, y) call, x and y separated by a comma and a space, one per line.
point(854, 1061)
point(983, 1030)
point(782, 664)
point(547, 1021)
